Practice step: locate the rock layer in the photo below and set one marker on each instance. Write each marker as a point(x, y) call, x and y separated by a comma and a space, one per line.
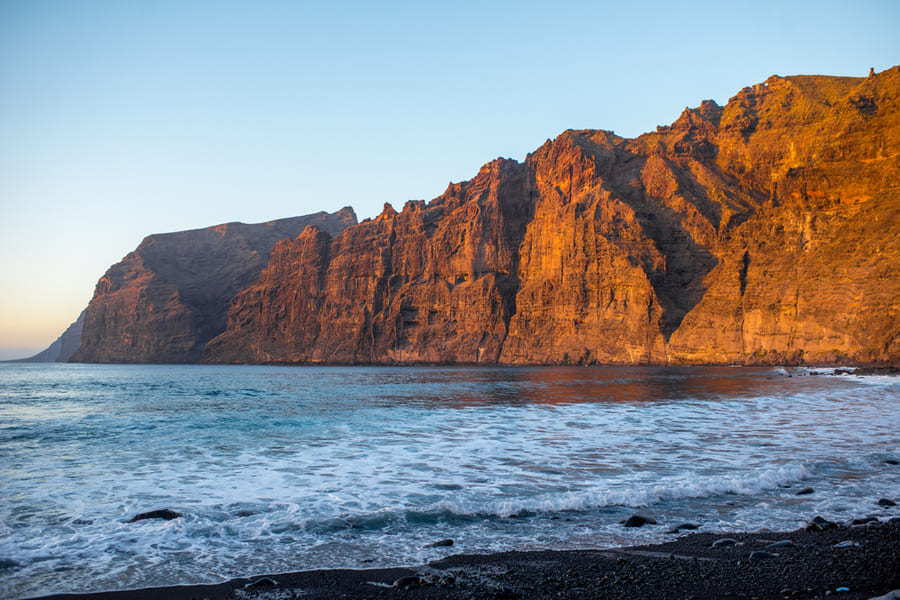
point(169, 297)
point(762, 232)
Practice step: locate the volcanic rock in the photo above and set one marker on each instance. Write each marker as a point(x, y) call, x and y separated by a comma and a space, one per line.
point(164, 514)
point(169, 297)
point(766, 231)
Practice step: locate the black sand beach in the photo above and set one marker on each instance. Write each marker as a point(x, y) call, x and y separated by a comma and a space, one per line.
point(848, 562)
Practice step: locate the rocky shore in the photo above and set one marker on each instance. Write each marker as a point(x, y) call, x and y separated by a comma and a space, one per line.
point(849, 561)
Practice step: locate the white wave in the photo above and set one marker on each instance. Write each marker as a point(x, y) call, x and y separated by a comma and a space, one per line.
point(687, 486)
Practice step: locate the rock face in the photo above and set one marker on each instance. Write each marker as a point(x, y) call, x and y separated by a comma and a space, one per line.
point(169, 297)
point(65, 345)
point(766, 231)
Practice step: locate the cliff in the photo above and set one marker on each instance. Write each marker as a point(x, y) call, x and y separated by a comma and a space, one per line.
point(765, 231)
point(761, 232)
point(163, 302)
point(62, 349)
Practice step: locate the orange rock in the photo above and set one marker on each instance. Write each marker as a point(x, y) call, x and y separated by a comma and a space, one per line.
point(762, 232)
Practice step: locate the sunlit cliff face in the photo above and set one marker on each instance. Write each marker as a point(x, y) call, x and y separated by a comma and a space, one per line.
point(765, 231)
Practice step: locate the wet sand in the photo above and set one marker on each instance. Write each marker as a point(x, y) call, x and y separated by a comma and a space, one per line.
point(845, 563)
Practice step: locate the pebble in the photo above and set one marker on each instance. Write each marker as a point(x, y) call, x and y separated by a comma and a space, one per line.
point(780, 544)
point(165, 513)
point(845, 544)
point(407, 582)
point(805, 491)
point(820, 524)
point(886, 502)
point(724, 542)
point(440, 543)
point(891, 461)
point(639, 521)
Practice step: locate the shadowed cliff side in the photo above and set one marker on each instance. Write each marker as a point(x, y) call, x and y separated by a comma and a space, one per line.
point(760, 232)
point(169, 297)
point(62, 349)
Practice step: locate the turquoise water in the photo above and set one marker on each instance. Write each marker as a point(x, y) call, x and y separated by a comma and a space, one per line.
point(278, 469)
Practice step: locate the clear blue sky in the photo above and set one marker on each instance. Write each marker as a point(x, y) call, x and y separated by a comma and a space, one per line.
point(123, 118)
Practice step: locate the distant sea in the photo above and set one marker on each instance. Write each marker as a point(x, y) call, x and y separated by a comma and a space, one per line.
point(282, 469)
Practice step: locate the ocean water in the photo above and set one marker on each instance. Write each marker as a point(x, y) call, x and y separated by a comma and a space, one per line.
point(280, 469)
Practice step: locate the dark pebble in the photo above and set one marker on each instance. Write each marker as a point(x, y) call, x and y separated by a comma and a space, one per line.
point(440, 543)
point(724, 542)
point(408, 582)
point(761, 554)
point(683, 527)
point(639, 521)
point(886, 502)
point(820, 524)
point(165, 513)
point(781, 544)
point(891, 461)
point(845, 544)
point(805, 491)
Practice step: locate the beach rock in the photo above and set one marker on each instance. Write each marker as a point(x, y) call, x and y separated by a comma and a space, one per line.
point(846, 544)
point(886, 502)
point(724, 542)
point(892, 595)
point(440, 543)
point(820, 524)
point(762, 555)
point(891, 461)
point(780, 544)
point(805, 491)
point(164, 514)
point(409, 582)
point(639, 521)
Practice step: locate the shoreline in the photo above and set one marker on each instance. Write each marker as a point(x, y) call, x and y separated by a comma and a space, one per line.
point(847, 562)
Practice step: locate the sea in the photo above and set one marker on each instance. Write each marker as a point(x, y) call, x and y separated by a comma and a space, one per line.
point(277, 469)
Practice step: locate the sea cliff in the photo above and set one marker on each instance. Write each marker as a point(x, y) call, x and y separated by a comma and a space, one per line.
point(765, 231)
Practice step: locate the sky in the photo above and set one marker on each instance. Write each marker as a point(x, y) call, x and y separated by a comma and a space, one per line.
point(123, 118)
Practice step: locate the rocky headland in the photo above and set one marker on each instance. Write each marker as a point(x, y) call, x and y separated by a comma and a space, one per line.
point(765, 231)
point(163, 302)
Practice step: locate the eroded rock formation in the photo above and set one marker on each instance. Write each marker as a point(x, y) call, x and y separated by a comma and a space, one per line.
point(765, 231)
point(169, 297)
